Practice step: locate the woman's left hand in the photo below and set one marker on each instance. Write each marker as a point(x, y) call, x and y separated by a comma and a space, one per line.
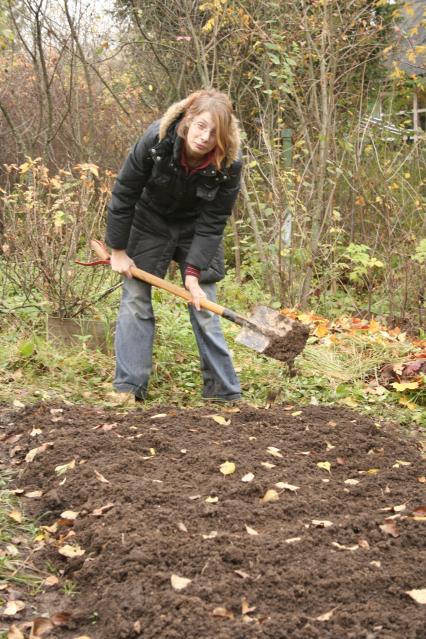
point(192, 285)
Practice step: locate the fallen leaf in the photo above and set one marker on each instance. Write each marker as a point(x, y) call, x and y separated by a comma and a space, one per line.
point(18, 404)
point(71, 551)
point(101, 477)
point(30, 456)
point(401, 462)
point(373, 471)
point(193, 497)
point(329, 446)
point(245, 606)
point(137, 627)
point(275, 452)
point(326, 616)
point(351, 482)
point(389, 527)
point(270, 495)
point(420, 511)
point(52, 580)
point(41, 626)
point(422, 479)
point(267, 465)
point(402, 386)
point(394, 509)
point(247, 478)
point(419, 595)
point(322, 523)
point(227, 468)
point(181, 526)
point(12, 550)
point(179, 583)
point(220, 420)
point(98, 512)
point(14, 633)
point(292, 540)
point(13, 607)
point(296, 413)
point(159, 416)
point(377, 564)
point(342, 547)
point(222, 612)
point(70, 514)
point(242, 574)
point(64, 468)
point(16, 515)
point(60, 618)
point(251, 531)
point(284, 486)
point(210, 535)
point(325, 466)
point(363, 543)
point(34, 494)
point(212, 500)
point(35, 431)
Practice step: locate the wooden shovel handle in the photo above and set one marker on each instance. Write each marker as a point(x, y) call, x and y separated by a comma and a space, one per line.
point(101, 250)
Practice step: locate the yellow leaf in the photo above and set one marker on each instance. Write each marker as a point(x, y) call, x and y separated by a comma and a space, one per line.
point(419, 595)
point(210, 535)
point(321, 330)
point(270, 495)
point(179, 583)
point(16, 516)
point(402, 386)
point(212, 500)
point(404, 401)
point(349, 401)
point(373, 471)
point(227, 468)
point(222, 612)
point(275, 452)
point(220, 420)
point(296, 413)
point(71, 551)
point(14, 633)
point(324, 466)
point(64, 468)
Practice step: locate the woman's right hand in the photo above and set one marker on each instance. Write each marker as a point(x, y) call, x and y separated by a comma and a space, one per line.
point(121, 262)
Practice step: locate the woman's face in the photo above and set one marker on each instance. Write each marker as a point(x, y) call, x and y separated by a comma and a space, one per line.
point(201, 135)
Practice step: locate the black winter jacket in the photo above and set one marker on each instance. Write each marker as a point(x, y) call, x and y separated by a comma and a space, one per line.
point(158, 213)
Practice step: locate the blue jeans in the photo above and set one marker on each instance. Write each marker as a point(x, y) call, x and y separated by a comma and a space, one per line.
point(134, 340)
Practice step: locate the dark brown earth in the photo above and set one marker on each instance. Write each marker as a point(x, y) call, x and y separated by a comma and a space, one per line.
point(174, 513)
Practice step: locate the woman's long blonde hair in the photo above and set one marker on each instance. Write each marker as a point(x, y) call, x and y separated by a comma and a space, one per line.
point(219, 106)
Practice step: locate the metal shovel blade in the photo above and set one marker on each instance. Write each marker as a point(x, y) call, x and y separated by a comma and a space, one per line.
point(274, 335)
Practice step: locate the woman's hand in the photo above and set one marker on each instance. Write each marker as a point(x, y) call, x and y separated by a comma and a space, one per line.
point(192, 285)
point(121, 262)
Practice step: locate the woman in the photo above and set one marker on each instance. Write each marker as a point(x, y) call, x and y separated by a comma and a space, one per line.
point(171, 201)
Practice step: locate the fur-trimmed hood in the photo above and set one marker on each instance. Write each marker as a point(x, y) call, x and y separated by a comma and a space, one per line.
point(178, 108)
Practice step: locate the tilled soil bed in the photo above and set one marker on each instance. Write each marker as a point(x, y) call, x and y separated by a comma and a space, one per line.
point(332, 554)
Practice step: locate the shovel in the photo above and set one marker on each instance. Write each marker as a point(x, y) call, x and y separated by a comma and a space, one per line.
point(265, 331)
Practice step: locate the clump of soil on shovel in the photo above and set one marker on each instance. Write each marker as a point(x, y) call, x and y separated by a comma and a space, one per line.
point(318, 533)
point(286, 350)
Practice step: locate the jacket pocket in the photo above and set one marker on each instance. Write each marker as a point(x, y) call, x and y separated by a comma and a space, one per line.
point(207, 193)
